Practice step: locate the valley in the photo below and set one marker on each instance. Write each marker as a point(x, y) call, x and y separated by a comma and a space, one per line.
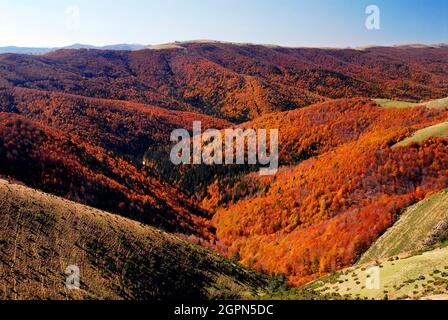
point(118, 258)
point(85, 144)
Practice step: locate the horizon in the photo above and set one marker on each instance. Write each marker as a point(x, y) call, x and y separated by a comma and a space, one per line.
point(287, 23)
point(148, 46)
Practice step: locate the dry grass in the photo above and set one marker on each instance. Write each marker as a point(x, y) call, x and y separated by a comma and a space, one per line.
point(438, 104)
point(118, 258)
point(437, 131)
point(387, 103)
point(433, 104)
point(423, 276)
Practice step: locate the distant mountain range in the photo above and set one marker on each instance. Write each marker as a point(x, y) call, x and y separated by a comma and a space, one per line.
point(177, 44)
point(37, 51)
point(235, 82)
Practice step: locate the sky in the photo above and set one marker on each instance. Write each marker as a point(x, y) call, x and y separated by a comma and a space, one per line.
point(313, 23)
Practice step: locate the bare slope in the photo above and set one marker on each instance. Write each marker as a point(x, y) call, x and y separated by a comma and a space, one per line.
point(42, 235)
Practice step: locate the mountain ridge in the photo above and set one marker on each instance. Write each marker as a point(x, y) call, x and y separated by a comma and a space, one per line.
point(168, 45)
point(234, 82)
point(76, 123)
point(76, 46)
point(117, 258)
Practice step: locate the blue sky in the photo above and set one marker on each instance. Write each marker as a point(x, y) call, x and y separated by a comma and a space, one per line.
point(337, 23)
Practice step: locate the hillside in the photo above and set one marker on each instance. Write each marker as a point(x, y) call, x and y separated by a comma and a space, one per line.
point(235, 82)
point(316, 129)
point(342, 185)
point(320, 214)
point(423, 276)
point(439, 130)
point(432, 104)
point(409, 261)
point(62, 164)
point(439, 103)
point(303, 134)
point(388, 103)
point(125, 128)
point(419, 227)
point(93, 126)
point(42, 235)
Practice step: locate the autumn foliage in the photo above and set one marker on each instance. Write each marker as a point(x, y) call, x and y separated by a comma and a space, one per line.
point(62, 164)
point(320, 215)
point(76, 123)
point(235, 82)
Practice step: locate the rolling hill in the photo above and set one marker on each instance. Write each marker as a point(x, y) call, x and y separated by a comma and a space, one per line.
point(408, 262)
point(411, 258)
point(320, 214)
point(79, 123)
point(235, 82)
point(439, 130)
point(40, 50)
point(125, 128)
point(303, 134)
point(62, 164)
point(42, 235)
point(432, 104)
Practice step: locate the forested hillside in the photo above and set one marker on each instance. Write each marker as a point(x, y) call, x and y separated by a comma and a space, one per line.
point(236, 82)
point(93, 126)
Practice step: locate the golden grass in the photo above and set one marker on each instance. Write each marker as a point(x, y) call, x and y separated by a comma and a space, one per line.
point(118, 258)
point(417, 277)
point(437, 131)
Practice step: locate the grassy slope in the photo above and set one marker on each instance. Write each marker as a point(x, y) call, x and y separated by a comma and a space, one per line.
point(118, 258)
point(405, 272)
point(438, 131)
point(415, 277)
point(402, 275)
point(422, 276)
point(433, 104)
point(414, 230)
point(387, 103)
point(438, 104)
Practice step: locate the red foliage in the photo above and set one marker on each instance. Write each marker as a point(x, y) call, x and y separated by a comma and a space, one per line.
point(316, 129)
point(62, 164)
point(321, 214)
point(126, 128)
point(74, 123)
point(236, 82)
